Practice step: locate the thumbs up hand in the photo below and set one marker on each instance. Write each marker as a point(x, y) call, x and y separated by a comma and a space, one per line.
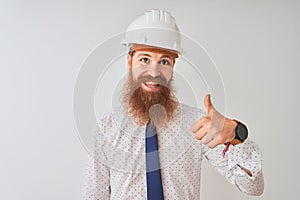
point(214, 129)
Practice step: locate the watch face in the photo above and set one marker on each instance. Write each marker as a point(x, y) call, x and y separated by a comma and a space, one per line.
point(242, 132)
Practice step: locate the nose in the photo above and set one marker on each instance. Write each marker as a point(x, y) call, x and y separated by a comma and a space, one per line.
point(153, 70)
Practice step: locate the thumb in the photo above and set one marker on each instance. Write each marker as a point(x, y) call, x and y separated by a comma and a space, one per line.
point(208, 105)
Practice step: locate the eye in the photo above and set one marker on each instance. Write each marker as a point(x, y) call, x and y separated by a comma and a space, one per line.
point(144, 60)
point(164, 62)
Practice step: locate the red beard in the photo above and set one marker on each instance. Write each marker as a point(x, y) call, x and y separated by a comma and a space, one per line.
point(157, 107)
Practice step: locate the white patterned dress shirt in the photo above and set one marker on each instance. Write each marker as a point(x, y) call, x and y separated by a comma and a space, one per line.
point(116, 167)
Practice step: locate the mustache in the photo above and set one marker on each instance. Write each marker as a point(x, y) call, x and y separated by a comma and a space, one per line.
point(161, 79)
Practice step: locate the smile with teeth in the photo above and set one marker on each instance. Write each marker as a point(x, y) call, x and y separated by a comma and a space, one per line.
point(151, 84)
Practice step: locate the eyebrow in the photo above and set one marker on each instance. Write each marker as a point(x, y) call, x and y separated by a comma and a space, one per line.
point(163, 56)
point(144, 54)
point(166, 56)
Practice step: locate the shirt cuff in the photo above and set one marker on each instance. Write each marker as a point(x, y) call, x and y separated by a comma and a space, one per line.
point(247, 155)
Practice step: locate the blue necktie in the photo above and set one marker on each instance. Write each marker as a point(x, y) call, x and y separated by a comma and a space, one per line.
point(154, 185)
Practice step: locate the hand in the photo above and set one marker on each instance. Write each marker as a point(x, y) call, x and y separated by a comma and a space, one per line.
point(214, 129)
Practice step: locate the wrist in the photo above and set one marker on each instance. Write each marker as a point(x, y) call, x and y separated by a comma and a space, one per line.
point(235, 142)
point(240, 132)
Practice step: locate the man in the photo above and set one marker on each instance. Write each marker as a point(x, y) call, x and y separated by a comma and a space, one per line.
point(152, 148)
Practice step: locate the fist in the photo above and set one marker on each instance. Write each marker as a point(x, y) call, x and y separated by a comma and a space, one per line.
point(214, 129)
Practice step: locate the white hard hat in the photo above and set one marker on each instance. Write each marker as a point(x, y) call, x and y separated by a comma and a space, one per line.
point(155, 28)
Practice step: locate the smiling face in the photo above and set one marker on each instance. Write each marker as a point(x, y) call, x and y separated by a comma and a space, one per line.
point(149, 84)
point(152, 67)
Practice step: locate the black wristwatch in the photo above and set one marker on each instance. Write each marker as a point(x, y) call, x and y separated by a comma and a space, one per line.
point(241, 132)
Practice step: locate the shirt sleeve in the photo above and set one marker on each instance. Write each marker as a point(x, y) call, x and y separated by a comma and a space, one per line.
point(97, 177)
point(247, 155)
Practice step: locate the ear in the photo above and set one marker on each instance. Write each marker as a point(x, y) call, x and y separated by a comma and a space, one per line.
point(129, 61)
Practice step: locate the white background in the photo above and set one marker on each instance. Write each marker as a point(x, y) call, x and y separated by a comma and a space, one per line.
point(254, 43)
